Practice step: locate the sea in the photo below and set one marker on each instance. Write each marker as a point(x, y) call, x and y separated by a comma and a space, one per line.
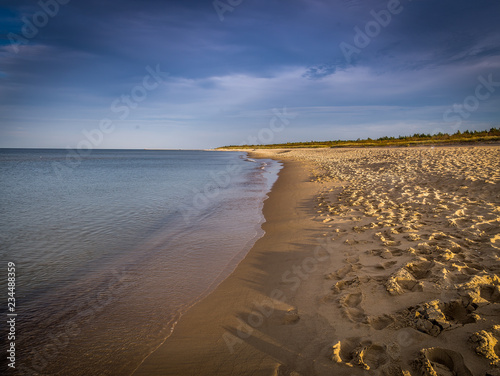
point(110, 247)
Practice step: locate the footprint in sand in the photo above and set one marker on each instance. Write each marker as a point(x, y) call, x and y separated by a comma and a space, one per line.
point(459, 312)
point(420, 269)
point(396, 252)
point(340, 273)
point(354, 352)
point(402, 280)
point(345, 284)
point(408, 277)
point(491, 293)
point(435, 316)
point(386, 253)
point(486, 344)
point(386, 239)
point(351, 306)
point(380, 322)
point(436, 361)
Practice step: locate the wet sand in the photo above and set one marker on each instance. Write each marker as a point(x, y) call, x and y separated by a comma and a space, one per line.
point(375, 261)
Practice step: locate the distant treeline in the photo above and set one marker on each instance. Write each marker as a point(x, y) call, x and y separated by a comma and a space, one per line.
point(417, 139)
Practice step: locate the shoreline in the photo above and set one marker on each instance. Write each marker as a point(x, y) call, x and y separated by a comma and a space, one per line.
point(225, 272)
point(211, 333)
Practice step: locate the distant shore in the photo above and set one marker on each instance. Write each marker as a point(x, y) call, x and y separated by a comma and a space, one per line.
point(379, 259)
point(491, 136)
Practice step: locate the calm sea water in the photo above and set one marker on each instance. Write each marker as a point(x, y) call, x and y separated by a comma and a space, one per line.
point(111, 248)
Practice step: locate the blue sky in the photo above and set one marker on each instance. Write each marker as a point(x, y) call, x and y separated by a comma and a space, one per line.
point(224, 74)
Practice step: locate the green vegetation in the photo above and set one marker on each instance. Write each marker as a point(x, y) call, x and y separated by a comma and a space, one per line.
point(417, 139)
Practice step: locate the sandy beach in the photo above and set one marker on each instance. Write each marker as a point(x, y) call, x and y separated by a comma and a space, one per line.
point(381, 261)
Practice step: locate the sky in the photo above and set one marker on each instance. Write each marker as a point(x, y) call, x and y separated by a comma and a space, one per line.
point(201, 74)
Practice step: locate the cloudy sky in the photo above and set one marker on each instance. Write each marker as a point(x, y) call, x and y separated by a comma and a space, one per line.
point(200, 74)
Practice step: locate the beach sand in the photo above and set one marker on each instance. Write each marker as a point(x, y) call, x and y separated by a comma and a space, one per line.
point(380, 261)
